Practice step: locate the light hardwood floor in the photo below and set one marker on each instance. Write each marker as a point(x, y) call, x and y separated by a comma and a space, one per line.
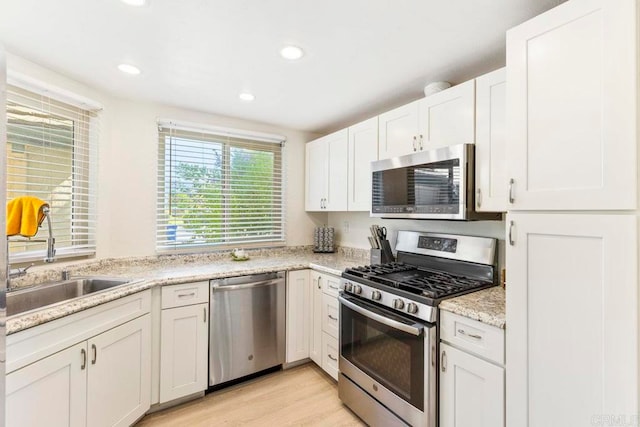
point(301, 396)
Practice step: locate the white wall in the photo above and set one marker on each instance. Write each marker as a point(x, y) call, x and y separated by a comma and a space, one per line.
point(359, 223)
point(128, 165)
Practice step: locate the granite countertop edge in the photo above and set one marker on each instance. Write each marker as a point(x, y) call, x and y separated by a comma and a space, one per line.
point(169, 277)
point(486, 306)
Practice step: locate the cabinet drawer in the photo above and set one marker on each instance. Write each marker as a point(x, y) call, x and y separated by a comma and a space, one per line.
point(330, 285)
point(330, 323)
point(330, 355)
point(185, 294)
point(475, 337)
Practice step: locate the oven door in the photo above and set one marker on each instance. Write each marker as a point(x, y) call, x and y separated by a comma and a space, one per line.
point(390, 357)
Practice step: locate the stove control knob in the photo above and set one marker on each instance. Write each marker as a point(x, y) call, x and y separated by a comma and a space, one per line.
point(412, 308)
point(376, 295)
point(348, 287)
point(357, 289)
point(398, 304)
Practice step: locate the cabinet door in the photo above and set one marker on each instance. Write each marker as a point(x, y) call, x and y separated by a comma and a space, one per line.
point(299, 300)
point(330, 310)
point(184, 344)
point(119, 376)
point(50, 392)
point(398, 131)
point(330, 285)
point(315, 349)
point(363, 149)
point(330, 355)
point(337, 164)
point(571, 108)
point(491, 149)
point(316, 174)
point(447, 117)
point(572, 334)
point(471, 390)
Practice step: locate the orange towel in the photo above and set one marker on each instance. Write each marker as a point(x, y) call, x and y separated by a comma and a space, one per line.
point(24, 216)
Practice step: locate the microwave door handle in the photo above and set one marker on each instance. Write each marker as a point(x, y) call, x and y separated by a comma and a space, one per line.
point(410, 329)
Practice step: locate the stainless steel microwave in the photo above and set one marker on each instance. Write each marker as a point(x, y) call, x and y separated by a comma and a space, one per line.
point(430, 184)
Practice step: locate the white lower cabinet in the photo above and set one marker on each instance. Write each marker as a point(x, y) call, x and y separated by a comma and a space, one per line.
point(184, 340)
point(299, 300)
point(471, 390)
point(55, 385)
point(183, 352)
point(330, 355)
point(119, 374)
point(103, 381)
point(315, 339)
point(572, 319)
point(472, 373)
point(325, 322)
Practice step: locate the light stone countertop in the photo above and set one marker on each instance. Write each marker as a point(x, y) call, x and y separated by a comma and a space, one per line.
point(486, 306)
point(175, 269)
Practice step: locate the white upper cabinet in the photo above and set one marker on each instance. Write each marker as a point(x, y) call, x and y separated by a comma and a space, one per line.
point(571, 108)
point(572, 319)
point(447, 117)
point(363, 149)
point(398, 131)
point(441, 119)
point(491, 148)
point(316, 175)
point(326, 173)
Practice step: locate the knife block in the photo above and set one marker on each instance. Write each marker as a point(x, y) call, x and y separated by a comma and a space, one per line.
point(380, 256)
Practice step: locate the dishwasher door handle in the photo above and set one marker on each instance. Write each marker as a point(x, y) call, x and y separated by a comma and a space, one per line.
point(221, 288)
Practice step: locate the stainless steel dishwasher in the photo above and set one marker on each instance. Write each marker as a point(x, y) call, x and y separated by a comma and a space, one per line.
point(246, 325)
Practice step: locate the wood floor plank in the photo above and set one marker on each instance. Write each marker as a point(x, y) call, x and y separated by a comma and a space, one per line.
point(301, 396)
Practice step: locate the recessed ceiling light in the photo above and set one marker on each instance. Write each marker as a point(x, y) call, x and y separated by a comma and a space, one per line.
point(135, 2)
point(129, 69)
point(246, 96)
point(291, 52)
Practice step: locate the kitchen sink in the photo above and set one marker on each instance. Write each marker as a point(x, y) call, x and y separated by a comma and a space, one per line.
point(50, 293)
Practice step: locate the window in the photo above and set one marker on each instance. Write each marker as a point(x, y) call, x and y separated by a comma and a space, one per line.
point(218, 188)
point(51, 150)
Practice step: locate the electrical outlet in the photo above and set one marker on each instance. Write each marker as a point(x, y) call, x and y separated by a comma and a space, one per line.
point(345, 226)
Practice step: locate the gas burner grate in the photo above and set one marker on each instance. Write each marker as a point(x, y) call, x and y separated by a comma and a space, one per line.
point(418, 281)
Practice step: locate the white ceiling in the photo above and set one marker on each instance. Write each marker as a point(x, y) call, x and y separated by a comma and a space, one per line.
point(362, 56)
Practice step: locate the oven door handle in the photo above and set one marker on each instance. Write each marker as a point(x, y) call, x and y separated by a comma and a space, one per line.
point(415, 329)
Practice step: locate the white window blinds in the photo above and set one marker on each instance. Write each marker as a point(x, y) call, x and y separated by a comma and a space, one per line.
point(51, 154)
point(218, 188)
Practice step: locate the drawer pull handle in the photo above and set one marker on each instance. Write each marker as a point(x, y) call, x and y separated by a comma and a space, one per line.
point(334, 287)
point(463, 332)
point(443, 361)
point(332, 357)
point(331, 317)
point(191, 294)
point(83, 352)
point(95, 354)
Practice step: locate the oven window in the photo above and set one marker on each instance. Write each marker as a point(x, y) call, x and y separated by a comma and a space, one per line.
point(392, 357)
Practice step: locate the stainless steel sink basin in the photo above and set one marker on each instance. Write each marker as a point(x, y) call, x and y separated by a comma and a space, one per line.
point(46, 294)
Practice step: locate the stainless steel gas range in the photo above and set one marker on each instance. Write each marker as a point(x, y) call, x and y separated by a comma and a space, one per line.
point(389, 324)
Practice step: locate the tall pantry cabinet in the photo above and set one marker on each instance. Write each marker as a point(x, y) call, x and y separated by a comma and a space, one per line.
point(572, 291)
